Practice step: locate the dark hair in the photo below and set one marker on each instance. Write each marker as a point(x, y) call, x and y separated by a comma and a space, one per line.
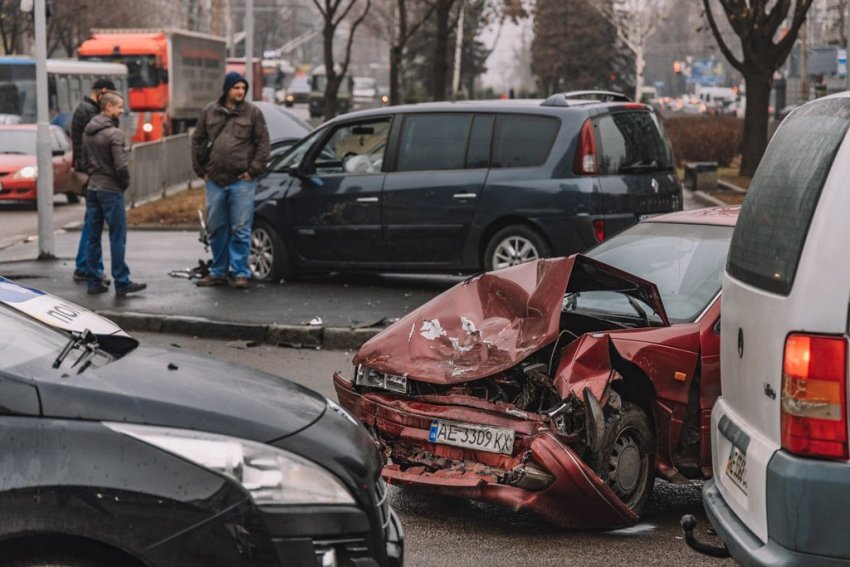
point(101, 84)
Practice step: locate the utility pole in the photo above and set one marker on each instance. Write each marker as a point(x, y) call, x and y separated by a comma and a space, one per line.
point(458, 51)
point(44, 183)
point(249, 48)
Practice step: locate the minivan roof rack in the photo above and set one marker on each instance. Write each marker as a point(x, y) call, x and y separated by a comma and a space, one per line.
point(583, 97)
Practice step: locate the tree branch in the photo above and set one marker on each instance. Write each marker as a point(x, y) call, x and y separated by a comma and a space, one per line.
point(354, 26)
point(739, 65)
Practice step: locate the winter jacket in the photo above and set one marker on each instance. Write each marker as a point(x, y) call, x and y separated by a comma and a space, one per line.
point(104, 155)
point(86, 110)
point(242, 145)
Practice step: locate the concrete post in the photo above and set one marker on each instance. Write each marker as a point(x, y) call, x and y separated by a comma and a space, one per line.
point(249, 48)
point(44, 187)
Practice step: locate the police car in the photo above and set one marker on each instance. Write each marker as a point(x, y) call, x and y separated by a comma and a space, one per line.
point(115, 454)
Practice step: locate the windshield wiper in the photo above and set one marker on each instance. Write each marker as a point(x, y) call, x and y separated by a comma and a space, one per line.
point(87, 340)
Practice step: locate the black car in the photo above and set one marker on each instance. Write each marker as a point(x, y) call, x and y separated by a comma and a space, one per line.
point(113, 454)
point(449, 187)
point(285, 128)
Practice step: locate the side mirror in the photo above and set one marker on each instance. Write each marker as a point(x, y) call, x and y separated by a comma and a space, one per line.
point(717, 327)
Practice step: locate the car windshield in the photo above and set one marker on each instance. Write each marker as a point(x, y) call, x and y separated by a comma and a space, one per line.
point(23, 340)
point(685, 262)
point(293, 156)
point(17, 141)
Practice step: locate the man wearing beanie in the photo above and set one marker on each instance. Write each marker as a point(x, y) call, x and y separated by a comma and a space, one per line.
point(230, 149)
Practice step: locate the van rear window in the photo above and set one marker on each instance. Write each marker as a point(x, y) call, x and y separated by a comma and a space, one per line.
point(775, 218)
point(631, 142)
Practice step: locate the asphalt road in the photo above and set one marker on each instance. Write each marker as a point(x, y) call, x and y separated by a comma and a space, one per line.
point(19, 221)
point(444, 531)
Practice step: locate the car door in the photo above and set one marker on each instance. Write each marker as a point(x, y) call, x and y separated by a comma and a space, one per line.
point(60, 149)
point(433, 190)
point(334, 211)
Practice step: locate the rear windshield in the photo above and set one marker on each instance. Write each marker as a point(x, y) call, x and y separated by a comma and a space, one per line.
point(783, 195)
point(631, 142)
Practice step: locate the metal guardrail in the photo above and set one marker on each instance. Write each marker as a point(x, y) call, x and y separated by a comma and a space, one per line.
point(158, 165)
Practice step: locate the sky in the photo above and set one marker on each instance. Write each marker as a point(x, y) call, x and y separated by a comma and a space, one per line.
point(502, 60)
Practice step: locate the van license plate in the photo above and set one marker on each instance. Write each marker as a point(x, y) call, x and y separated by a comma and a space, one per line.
point(478, 437)
point(736, 468)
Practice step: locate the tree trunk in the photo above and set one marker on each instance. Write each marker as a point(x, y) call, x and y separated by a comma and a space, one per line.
point(331, 84)
point(759, 83)
point(395, 73)
point(441, 49)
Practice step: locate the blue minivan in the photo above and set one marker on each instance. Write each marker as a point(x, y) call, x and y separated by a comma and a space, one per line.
point(462, 186)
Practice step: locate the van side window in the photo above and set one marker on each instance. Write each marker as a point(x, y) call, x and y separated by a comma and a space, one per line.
point(433, 141)
point(774, 220)
point(521, 140)
point(478, 151)
point(631, 142)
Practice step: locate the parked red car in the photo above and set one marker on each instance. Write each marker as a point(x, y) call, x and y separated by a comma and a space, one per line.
point(561, 386)
point(18, 169)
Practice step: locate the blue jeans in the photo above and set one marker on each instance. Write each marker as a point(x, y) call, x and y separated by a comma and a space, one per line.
point(81, 250)
point(106, 206)
point(230, 213)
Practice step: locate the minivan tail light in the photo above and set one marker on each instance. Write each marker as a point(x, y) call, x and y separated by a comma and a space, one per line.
point(585, 160)
point(814, 396)
point(599, 229)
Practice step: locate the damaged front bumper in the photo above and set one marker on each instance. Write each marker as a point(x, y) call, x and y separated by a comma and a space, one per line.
point(542, 475)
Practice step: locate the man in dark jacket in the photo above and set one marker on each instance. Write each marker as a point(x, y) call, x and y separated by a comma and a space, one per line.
point(237, 138)
point(86, 110)
point(109, 176)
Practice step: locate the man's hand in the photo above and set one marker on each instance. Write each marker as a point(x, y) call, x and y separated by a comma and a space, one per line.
point(246, 176)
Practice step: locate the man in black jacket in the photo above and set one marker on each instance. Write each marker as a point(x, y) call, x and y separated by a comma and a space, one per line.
point(86, 110)
point(109, 176)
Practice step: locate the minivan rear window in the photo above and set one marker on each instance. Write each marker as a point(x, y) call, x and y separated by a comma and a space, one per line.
point(775, 218)
point(521, 140)
point(631, 142)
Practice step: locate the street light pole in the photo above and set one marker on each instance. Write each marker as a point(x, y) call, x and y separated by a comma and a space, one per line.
point(249, 47)
point(44, 181)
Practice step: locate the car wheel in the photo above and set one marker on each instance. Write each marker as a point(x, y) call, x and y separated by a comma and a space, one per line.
point(626, 457)
point(513, 245)
point(73, 198)
point(269, 259)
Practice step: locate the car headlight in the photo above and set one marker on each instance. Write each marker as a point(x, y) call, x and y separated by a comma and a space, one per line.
point(269, 474)
point(147, 127)
point(374, 379)
point(28, 172)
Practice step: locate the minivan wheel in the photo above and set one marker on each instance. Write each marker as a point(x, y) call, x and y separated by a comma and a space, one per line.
point(626, 458)
point(269, 259)
point(514, 245)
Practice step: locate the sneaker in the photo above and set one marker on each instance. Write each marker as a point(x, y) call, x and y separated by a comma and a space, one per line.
point(81, 277)
point(102, 288)
point(210, 281)
point(240, 283)
point(132, 287)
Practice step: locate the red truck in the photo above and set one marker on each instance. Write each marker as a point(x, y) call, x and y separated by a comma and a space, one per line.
point(172, 74)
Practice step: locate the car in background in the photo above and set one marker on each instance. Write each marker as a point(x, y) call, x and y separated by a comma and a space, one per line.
point(19, 167)
point(116, 454)
point(298, 92)
point(285, 128)
point(561, 386)
point(461, 186)
point(364, 92)
point(779, 433)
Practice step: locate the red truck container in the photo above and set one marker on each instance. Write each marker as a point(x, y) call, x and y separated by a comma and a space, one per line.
point(172, 74)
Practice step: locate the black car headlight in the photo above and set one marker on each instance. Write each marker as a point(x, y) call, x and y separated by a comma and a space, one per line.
point(370, 378)
point(270, 475)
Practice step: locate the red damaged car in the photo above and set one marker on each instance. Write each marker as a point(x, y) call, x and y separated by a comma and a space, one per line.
point(561, 386)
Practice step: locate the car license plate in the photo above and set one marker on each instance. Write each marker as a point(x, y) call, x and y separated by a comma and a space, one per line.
point(736, 468)
point(478, 437)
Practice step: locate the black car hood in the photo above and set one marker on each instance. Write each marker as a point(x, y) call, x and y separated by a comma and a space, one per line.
point(171, 388)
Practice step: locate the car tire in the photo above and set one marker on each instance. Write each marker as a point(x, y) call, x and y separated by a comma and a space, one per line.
point(269, 259)
point(515, 244)
point(73, 198)
point(626, 457)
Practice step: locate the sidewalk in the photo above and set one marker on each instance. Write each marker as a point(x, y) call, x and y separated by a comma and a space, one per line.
point(330, 312)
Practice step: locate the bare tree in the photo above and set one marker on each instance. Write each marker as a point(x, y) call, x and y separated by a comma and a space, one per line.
point(767, 38)
point(333, 13)
point(635, 21)
point(14, 26)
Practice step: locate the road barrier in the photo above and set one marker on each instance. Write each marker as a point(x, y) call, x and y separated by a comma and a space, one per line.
point(157, 166)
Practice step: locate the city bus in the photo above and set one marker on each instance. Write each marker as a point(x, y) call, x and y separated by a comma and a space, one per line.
point(68, 81)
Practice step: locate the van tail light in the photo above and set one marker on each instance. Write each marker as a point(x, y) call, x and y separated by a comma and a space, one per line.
point(585, 161)
point(599, 229)
point(814, 396)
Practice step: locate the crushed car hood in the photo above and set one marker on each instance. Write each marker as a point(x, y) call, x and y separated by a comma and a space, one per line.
point(490, 322)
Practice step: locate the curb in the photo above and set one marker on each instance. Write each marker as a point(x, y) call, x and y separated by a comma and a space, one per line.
point(708, 200)
point(296, 336)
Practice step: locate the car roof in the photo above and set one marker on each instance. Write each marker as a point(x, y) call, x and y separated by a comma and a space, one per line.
point(719, 216)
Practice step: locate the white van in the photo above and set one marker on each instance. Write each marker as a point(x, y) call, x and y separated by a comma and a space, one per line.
point(781, 488)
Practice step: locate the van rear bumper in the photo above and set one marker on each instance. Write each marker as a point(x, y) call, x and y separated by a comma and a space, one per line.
point(745, 547)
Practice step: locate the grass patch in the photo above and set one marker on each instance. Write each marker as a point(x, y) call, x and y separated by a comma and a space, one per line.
point(178, 209)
